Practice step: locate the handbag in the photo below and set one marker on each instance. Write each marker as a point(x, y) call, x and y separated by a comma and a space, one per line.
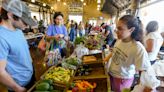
point(42, 44)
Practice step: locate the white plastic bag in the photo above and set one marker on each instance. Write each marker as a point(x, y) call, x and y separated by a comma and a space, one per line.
point(148, 79)
point(54, 57)
point(79, 51)
point(158, 67)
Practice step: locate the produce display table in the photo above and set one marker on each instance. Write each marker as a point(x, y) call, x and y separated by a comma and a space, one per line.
point(92, 72)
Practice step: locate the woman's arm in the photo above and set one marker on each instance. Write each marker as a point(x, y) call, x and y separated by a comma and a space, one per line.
point(106, 59)
point(149, 44)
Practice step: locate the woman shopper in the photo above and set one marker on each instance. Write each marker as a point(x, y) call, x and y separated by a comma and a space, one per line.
point(128, 54)
point(153, 40)
point(57, 31)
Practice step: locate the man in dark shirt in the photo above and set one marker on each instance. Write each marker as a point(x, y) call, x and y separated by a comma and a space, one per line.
point(108, 34)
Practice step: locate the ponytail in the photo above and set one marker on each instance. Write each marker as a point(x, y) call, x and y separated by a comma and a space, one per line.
point(131, 21)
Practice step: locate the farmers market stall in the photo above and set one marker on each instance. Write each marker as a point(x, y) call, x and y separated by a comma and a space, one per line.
point(74, 75)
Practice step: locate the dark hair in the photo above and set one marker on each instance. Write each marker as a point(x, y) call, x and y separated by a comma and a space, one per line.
point(3, 15)
point(131, 21)
point(56, 15)
point(152, 26)
point(102, 24)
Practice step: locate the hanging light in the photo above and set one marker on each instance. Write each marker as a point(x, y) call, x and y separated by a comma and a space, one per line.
point(84, 4)
point(98, 1)
point(98, 6)
point(82, 0)
point(98, 9)
point(58, 0)
point(64, 3)
point(33, 1)
point(44, 4)
point(52, 8)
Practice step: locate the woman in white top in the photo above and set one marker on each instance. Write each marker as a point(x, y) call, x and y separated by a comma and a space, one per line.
point(153, 40)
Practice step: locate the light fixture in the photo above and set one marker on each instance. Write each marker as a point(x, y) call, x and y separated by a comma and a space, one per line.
point(33, 1)
point(84, 4)
point(58, 0)
point(98, 9)
point(98, 1)
point(64, 3)
point(98, 6)
point(82, 0)
point(52, 8)
point(44, 4)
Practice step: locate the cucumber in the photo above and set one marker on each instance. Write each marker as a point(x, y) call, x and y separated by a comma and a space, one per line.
point(55, 91)
point(47, 81)
point(51, 88)
point(42, 86)
point(40, 91)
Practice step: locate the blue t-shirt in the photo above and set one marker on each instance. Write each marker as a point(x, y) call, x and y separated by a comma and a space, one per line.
point(55, 30)
point(14, 49)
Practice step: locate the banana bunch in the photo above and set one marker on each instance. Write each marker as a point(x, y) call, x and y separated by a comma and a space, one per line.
point(58, 74)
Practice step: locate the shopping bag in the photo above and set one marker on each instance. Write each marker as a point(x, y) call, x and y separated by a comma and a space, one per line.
point(52, 55)
point(42, 44)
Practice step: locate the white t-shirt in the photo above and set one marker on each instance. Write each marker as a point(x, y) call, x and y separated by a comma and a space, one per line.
point(127, 58)
point(158, 40)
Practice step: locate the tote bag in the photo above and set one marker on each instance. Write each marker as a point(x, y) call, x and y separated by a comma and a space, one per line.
point(42, 44)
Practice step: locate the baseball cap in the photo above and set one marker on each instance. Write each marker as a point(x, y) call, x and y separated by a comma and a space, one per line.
point(19, 9)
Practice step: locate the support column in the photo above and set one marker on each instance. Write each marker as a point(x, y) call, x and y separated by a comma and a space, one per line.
point(135, 7)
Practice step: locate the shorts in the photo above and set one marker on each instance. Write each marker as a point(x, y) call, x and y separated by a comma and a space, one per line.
point(118, 84)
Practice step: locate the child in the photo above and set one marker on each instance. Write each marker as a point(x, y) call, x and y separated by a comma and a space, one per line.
point(128, 54)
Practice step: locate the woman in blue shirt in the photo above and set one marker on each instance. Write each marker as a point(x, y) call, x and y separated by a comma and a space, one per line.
point(57, 31)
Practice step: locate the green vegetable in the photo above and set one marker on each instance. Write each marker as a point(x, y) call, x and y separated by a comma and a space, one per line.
point(47, 81)
point(51, 88)
point(126, 90)
point(79, 40)
point(41, 91)
point(55, 91)
point(42, 86)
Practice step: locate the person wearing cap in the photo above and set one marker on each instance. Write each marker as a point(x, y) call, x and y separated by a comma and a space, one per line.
point(16, 68)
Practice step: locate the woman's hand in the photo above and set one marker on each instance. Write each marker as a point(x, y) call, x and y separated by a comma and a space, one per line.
point(105, 59)
point(61, 35)
point(57, 37)
point(146, 89)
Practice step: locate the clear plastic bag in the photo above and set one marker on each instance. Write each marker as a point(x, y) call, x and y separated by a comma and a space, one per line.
point(148, 78)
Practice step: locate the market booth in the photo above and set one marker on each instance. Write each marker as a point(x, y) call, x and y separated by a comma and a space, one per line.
point(71, 74)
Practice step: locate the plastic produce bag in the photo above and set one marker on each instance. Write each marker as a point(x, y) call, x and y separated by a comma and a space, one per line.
point(54, 57)
point(158, 67)
point(68, 66)
point(148, 79)
point(80, 51)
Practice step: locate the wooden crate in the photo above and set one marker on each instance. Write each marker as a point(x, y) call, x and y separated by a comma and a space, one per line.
point(98, 58)
point(97, 72)
point(32, 89)
point(56, 83)
point(102, 84)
